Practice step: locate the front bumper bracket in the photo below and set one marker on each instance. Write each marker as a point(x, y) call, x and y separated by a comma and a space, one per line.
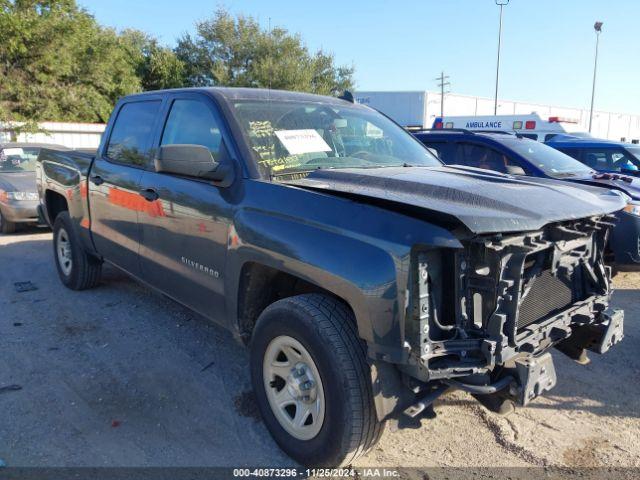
point(536, 375)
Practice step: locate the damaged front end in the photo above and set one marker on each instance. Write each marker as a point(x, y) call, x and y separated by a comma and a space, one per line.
point(483, 318)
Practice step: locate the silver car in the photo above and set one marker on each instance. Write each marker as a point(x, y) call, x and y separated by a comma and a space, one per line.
point(18, 195)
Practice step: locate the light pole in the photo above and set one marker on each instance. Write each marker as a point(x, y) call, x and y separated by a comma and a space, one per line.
point(598, 28)
point(500, 3)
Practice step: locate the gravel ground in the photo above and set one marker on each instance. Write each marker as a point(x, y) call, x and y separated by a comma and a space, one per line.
point(121, 376)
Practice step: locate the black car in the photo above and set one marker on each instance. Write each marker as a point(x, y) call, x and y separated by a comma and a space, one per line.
point(18, 195)
point(516, 155)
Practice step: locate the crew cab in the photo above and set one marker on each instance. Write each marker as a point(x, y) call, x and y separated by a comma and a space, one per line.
point(517, 155)
point(366, 278)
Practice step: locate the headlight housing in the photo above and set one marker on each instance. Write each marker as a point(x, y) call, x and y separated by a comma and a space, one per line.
point(19, 196)
point(633, 208)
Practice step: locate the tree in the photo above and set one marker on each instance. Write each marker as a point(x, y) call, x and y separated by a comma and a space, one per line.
point(156, 66)
point(57, 63)
point(237, 52)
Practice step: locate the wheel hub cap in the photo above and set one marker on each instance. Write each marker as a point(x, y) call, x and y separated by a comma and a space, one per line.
point(63, 250)
point(301, 384)
point(293, 387)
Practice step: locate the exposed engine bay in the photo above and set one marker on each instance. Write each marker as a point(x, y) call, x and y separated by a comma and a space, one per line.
point(487, 328)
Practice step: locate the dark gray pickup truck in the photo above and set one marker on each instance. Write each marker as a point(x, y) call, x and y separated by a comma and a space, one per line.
point(366, 277)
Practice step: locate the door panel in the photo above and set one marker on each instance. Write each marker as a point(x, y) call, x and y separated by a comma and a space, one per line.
point(184, 241)
point(114, 206)
point(184, 233)
point(114, 184)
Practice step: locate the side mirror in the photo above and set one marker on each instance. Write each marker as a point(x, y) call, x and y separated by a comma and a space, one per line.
point(192, 161)
point(628, 170)
point(515, 170)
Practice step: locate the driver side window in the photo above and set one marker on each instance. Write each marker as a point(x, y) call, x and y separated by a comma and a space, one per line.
point(191, 122)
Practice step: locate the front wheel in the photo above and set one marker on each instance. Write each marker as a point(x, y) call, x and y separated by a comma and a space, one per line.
point(312, 381)
point(5, 225)
point(76, 268)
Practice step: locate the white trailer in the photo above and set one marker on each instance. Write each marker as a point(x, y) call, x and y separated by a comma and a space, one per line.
point(419, 109)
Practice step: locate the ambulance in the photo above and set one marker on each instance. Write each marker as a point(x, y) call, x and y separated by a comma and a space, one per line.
point(530, 126)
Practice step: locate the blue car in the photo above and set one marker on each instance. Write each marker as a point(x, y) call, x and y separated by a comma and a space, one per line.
point(516, 155)
point(601, 155)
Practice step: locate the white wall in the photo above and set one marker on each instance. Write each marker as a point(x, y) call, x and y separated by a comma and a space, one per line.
point(71, 135)
point(408, 108)
point(404, 106)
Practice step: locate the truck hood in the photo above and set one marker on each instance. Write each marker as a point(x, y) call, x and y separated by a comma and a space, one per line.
point(483, 201)
point(18, 182)
point(631, 188)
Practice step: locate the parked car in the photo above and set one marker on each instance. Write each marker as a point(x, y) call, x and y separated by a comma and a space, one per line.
point(365, 277)
point(516, 155)
point(18, 196)
point(601, 155)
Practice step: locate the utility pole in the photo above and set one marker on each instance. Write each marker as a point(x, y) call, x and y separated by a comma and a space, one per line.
point(598, 28)
point(500, 3)
point(442, 83)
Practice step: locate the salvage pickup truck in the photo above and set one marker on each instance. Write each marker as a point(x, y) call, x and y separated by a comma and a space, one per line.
point(365, 276)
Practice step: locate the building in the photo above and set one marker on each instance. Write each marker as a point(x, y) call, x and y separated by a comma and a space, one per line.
point(72, 135)
point(420, 108)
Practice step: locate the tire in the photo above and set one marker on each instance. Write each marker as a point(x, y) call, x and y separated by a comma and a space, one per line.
point(76, 268)
point(325, 330)
point(6, 226)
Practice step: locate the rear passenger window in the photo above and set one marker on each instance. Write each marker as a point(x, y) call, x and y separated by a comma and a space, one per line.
point(131, 136)
point(191, 122)
point(479, 156)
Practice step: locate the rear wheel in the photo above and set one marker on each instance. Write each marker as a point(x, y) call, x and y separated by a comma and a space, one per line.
point(76, 268)
point(5, 225)
point(312, 381)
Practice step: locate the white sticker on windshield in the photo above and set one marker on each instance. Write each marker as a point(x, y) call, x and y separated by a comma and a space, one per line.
point(13, 151)
point(302, 141)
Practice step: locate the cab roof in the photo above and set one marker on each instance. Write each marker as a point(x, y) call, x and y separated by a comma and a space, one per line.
point(232, 94)
point(578, 142)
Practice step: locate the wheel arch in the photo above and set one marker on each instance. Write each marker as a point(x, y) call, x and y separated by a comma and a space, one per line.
point(54, 203)
point(261, 285)
point(367, 277)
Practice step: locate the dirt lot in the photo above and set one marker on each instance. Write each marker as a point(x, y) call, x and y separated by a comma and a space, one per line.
point(121, 376)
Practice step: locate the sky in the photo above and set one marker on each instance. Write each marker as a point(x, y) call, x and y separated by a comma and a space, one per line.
point(548, 46)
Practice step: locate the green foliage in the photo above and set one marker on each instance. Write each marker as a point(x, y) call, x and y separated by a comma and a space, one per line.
point(237, 52)
point(155, 65)
point(58, 64)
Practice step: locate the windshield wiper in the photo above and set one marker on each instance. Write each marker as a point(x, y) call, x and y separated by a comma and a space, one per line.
point(295, 173)
point(565, 174)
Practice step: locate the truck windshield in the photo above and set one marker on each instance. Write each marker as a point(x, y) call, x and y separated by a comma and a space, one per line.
point(289, 137)
point(551, 161)
point(18, 159)
point(635, 151)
